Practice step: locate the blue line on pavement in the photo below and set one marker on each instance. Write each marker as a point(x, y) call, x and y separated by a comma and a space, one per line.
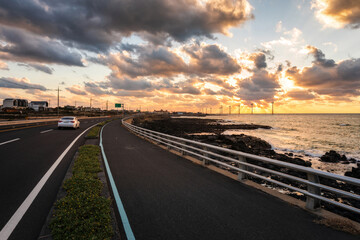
point(125, 221)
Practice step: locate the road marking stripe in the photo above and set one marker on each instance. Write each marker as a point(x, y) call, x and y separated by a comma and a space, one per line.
point(124, 219)
point(47, 131)
point(15, 219)
point(16, 139)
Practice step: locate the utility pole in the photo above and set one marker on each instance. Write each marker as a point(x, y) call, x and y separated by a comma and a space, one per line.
point(272, 108)
point(239, 107)
point(252, 108)
point(221, 109)
point(58, 100)
point(210, 110)
point(75, 104)
point(90, 102)
point(107, 105)
point(229, 110)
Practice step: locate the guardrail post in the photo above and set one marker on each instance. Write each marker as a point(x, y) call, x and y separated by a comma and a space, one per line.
point(167, 146)
point(156, 139)
point(313, 203)
point(205, 161)
point(182, 152)
point(242, 176)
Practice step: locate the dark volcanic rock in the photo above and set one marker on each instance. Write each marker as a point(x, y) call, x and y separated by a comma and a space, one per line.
point(333, 157)
point(355, 173)
point(352, 160)
point(183, 126)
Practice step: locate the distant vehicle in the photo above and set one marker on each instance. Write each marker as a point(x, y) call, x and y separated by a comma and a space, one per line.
point(14, 105)
point(68, 122)
point(39, 105)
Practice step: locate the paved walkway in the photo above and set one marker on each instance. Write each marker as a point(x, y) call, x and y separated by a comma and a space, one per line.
point(168, 197)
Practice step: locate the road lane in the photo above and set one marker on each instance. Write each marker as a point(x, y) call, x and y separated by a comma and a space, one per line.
point(23, 163)
point(17, 216)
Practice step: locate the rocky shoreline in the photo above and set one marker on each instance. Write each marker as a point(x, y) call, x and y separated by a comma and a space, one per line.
point(193, 128)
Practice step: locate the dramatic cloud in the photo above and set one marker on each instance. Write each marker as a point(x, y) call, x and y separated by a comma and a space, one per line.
point(261, 86)
point(259, 60)
point(338, 14)
point(341, 80)
point(96, 25)
point(38, 67)
point(23, 46)
point(300, 95)
point(216, 81)
point(146, 61)
point(96, 89)
point(210, 59)
point(99, 89)
point(19, 84)
point(320, 57)
point(149, 61)
point(76, 91)
point(128, 84)
point(186, 89)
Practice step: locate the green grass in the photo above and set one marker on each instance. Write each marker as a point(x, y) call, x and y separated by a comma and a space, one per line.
point(95, 131)
point(83, 213)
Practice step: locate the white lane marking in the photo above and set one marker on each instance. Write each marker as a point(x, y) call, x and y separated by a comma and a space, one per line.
point(15, 219)
point(47, 131)
point(16, 139)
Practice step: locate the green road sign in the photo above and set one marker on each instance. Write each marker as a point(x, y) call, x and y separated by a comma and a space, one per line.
point(119, 105)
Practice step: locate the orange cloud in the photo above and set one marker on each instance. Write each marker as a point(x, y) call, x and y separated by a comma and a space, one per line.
point(338, 14)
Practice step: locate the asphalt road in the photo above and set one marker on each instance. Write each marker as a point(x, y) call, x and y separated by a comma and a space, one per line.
point(24, 162)
point(168, 197)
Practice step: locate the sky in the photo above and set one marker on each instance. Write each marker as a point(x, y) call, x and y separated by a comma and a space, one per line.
point(184, 55)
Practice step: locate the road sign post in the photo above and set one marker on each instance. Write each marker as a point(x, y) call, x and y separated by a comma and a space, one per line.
point(120, 105)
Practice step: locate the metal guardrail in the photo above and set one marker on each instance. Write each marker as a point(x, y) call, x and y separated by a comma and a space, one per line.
point(210, 153)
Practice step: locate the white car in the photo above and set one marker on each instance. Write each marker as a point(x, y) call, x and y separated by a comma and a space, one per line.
point(68, 122)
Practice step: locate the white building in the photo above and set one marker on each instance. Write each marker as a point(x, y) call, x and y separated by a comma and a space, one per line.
point(39, 105)
point(15, 103)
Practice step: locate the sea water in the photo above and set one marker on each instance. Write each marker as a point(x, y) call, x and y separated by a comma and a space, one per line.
point(308, 135)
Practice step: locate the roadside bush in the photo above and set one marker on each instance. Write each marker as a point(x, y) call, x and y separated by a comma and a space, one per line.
point(83, 213)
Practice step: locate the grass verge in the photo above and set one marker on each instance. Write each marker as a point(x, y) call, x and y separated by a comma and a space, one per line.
point(95, 131)
point(83, 213)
